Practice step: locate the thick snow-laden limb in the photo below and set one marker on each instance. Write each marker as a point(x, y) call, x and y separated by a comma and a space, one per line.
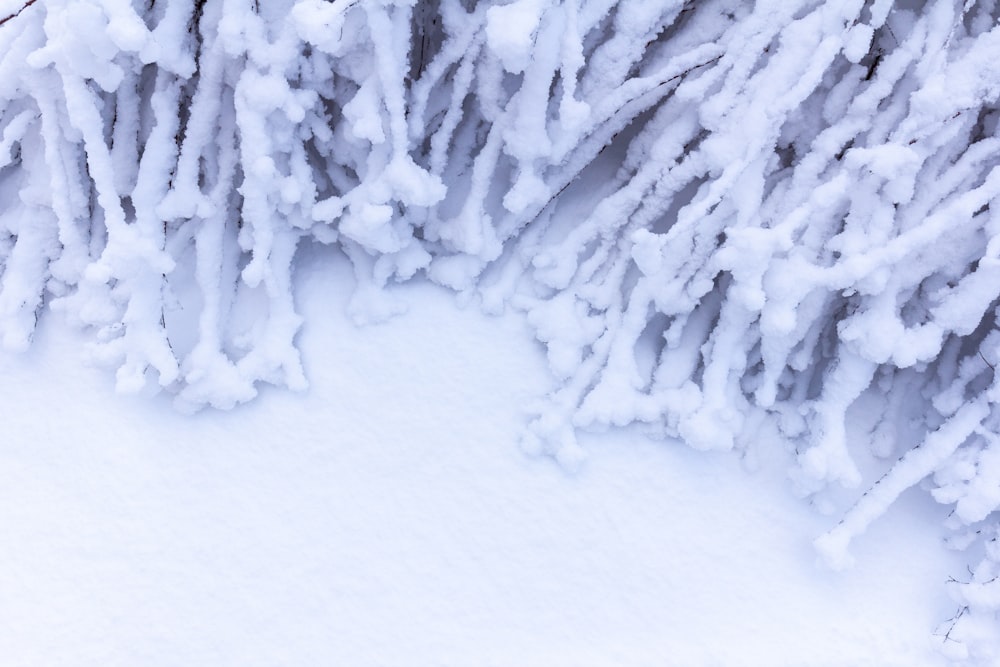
point(716, 215)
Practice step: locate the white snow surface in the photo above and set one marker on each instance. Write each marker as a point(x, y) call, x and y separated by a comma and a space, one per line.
point(386, 516)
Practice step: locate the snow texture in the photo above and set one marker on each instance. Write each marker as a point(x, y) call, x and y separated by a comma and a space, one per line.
point(724, 219)
point(387, 518)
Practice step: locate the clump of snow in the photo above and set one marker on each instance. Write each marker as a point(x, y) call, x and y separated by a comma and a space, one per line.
point(511, 30)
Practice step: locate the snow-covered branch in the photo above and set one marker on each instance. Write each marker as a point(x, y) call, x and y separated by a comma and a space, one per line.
point(726, 220)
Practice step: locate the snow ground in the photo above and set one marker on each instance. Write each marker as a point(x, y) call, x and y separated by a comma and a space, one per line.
point(387, 517)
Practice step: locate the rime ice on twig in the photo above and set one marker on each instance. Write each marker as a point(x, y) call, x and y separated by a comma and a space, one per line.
point(715, 214)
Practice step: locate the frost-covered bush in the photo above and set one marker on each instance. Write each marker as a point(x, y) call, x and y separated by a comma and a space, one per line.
point(726, 220)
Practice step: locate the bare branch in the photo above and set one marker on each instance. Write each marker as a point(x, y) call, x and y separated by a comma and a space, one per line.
point(27, 4)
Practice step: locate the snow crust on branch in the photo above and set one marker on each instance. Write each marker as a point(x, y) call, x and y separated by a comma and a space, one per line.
point(725, 220)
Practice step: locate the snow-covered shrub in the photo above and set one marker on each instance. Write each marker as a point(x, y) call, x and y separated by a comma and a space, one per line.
point(727, 220)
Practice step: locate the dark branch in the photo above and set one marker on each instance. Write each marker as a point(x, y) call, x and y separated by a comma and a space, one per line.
point(18, 12)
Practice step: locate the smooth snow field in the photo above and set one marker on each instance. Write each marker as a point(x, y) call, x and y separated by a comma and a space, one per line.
point(387, 516)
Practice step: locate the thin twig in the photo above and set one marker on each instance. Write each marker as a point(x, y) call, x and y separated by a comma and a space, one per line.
point(18, 12)
point(954, 621)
